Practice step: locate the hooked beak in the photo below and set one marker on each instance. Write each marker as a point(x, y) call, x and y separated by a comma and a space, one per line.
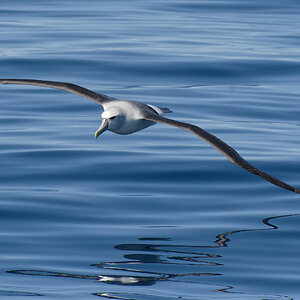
point(102, 128)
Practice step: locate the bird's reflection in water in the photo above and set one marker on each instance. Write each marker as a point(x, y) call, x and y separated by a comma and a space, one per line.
point(159, 252)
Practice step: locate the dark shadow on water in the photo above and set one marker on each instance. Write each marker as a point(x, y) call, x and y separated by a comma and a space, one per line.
point(160, 255)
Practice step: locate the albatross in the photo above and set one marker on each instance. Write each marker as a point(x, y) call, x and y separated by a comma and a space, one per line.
point(126, 117)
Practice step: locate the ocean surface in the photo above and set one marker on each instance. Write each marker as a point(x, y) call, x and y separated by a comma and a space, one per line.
point(158, 214)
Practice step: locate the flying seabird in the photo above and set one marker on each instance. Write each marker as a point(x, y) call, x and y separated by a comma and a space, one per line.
point(126, 117)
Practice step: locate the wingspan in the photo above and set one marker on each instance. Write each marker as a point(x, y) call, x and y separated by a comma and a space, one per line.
point(69, 87)
point(222, 147)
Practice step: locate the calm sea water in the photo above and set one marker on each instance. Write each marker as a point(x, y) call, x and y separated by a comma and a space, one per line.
point(158, 214)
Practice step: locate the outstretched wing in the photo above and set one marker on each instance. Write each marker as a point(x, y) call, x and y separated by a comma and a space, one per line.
point(222, 147)
point(69, 87)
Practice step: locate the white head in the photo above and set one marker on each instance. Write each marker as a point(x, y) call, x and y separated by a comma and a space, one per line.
point(113, 118)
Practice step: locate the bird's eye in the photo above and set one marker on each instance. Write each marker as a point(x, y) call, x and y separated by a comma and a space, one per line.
point(111, 118)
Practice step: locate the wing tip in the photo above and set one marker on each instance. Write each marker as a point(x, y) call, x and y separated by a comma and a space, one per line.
point(297, 191)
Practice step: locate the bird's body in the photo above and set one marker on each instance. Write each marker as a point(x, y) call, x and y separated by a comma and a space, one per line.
point(130, 116)
point(126, 117)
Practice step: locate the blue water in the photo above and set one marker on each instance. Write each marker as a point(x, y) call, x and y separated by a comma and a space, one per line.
point(158, 214)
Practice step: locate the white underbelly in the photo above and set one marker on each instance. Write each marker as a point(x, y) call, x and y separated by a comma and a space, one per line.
point(133, 126)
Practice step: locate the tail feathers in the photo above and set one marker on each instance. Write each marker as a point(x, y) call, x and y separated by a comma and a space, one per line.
point(165, 110)
point(159, 110)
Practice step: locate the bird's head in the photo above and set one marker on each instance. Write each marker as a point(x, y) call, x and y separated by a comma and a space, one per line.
point(112, 119)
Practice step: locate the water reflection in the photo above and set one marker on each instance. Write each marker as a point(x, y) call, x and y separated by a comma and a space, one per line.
point(19, 294)
point(157, 263)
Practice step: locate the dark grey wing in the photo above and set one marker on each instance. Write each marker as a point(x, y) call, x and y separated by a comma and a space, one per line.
point(69, 87)
point(222, 147)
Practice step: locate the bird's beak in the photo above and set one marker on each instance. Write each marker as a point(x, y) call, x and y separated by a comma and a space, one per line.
point(102, 128)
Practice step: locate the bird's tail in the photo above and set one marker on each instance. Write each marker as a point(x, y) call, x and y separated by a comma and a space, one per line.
point(165, 110)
